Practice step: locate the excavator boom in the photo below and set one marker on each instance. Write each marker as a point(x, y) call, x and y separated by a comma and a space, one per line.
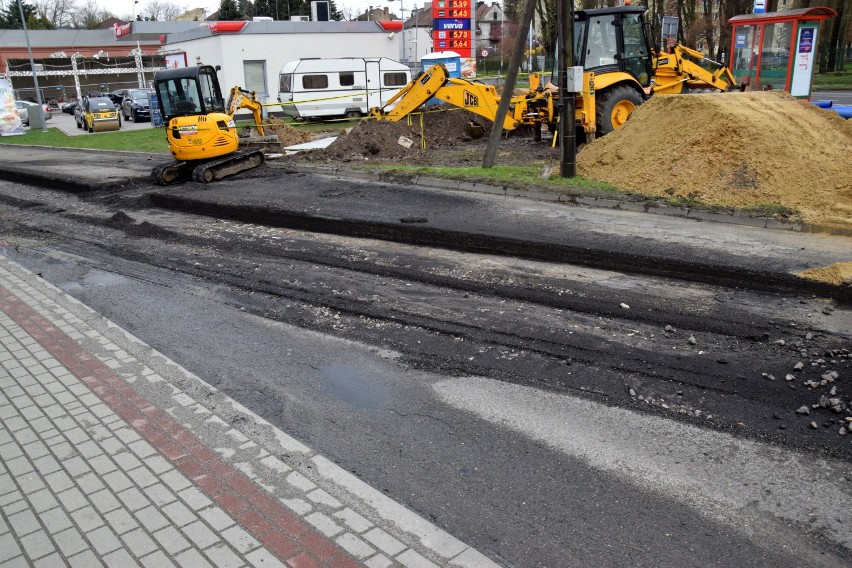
point(239, 98)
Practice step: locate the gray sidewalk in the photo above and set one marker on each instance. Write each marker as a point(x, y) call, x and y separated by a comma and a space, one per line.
point(111, 454)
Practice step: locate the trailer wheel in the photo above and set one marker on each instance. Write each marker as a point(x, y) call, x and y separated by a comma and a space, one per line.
point(353, 114)
point(613, 108)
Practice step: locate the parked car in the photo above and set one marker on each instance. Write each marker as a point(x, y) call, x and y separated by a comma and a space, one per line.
point(78, 113)
point(24, 108)
point(68, 108)
point(98, 114)
point(136, 105)
point(118, 96)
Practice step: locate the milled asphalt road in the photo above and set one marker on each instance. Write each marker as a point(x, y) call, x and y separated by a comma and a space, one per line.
point(736, 251)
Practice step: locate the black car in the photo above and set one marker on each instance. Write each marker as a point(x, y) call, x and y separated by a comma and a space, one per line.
point(136, 106)
point(68, 108)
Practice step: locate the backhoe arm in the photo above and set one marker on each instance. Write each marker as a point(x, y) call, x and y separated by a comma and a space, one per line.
point(685, 66)
point(414, 95)
point(478, 98)
point(240, 98)
point(435, 82)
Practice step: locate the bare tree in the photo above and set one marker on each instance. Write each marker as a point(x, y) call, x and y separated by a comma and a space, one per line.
point(349, 14)
point(161, 10)
point(57, 12)
point(88, 15)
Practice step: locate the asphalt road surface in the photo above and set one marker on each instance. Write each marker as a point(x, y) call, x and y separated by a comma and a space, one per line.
point(838, 97)
point(504, 400)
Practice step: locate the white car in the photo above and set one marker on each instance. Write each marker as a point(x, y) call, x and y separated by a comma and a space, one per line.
point(24, 111)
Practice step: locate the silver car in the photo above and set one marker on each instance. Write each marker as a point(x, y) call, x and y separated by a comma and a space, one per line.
point(24, 108)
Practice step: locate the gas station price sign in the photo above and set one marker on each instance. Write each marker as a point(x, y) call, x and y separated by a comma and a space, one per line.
point(452, 9)
point(453, 40)
point(453, 34)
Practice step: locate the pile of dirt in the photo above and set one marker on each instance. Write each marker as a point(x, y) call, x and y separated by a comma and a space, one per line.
point(732, 149)
point(406, 139)
point(838, 273)
point(287, 135)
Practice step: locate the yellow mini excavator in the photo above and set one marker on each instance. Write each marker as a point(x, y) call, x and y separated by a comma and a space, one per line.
point(200, 126)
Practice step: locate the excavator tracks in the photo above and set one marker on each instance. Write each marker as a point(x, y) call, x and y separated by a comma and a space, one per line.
point(208, 171)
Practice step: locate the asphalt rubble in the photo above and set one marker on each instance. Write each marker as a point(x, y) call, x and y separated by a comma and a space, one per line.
point(726, 250)
point(638, 237)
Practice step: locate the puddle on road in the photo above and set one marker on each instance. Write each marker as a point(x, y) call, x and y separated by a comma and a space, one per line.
point(94, 279)
point(349, 383)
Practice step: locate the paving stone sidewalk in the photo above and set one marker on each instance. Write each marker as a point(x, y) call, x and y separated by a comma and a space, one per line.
point(111, 454)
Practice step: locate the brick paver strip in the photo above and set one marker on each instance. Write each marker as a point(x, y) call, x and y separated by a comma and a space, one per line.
point(260, 515)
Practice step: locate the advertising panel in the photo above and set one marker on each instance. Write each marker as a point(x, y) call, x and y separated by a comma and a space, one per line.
point(803, 63)
point(10, 122)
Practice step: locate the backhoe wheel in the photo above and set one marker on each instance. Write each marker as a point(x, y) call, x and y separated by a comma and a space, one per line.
point(613, 108)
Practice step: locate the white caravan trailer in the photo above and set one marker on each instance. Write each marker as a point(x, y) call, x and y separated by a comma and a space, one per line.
point(349, 86)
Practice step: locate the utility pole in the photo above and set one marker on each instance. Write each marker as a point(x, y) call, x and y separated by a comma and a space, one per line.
point(567, 129)
point(509, 86)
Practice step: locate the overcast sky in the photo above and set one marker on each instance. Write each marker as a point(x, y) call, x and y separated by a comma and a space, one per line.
point(125, 7)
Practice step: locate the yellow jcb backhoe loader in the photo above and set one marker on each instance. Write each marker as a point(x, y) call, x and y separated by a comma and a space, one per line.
point(621, 70)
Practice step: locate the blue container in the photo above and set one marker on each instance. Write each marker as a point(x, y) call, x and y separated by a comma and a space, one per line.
point(153, 103)
point(450, 59)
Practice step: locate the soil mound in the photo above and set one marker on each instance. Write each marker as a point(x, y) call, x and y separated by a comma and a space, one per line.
point(288, 135)
point(838, 273)
point(732, 149)
point(381, 139)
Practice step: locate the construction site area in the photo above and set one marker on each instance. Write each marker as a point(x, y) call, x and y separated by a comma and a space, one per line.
point(759, 150)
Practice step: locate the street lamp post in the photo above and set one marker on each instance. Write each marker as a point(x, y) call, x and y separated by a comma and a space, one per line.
point(402, 56)
point(140, 75)
point(32, 66)
point(415, 14)
point(402, 39)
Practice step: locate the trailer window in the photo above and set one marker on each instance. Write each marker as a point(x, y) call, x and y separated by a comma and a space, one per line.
point(315, 81)
point(395, 79)
point(285, 82)
point(347, 79)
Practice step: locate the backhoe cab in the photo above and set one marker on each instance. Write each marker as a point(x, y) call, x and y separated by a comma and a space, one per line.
point(622, 68)
point(200, 126)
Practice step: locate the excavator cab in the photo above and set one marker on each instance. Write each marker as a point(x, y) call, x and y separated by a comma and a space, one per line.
point(613, 48)
point(613, 40)
point(200, 126)
point(188, 91)
point(191, 102)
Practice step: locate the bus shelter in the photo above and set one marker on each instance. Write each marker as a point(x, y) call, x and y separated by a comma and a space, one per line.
point(777, 50)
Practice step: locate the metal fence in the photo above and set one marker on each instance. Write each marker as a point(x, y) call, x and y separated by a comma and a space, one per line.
point(63, 78)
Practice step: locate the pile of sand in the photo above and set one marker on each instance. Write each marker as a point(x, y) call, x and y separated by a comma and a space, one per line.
point(732, 149)
point(287, 135)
